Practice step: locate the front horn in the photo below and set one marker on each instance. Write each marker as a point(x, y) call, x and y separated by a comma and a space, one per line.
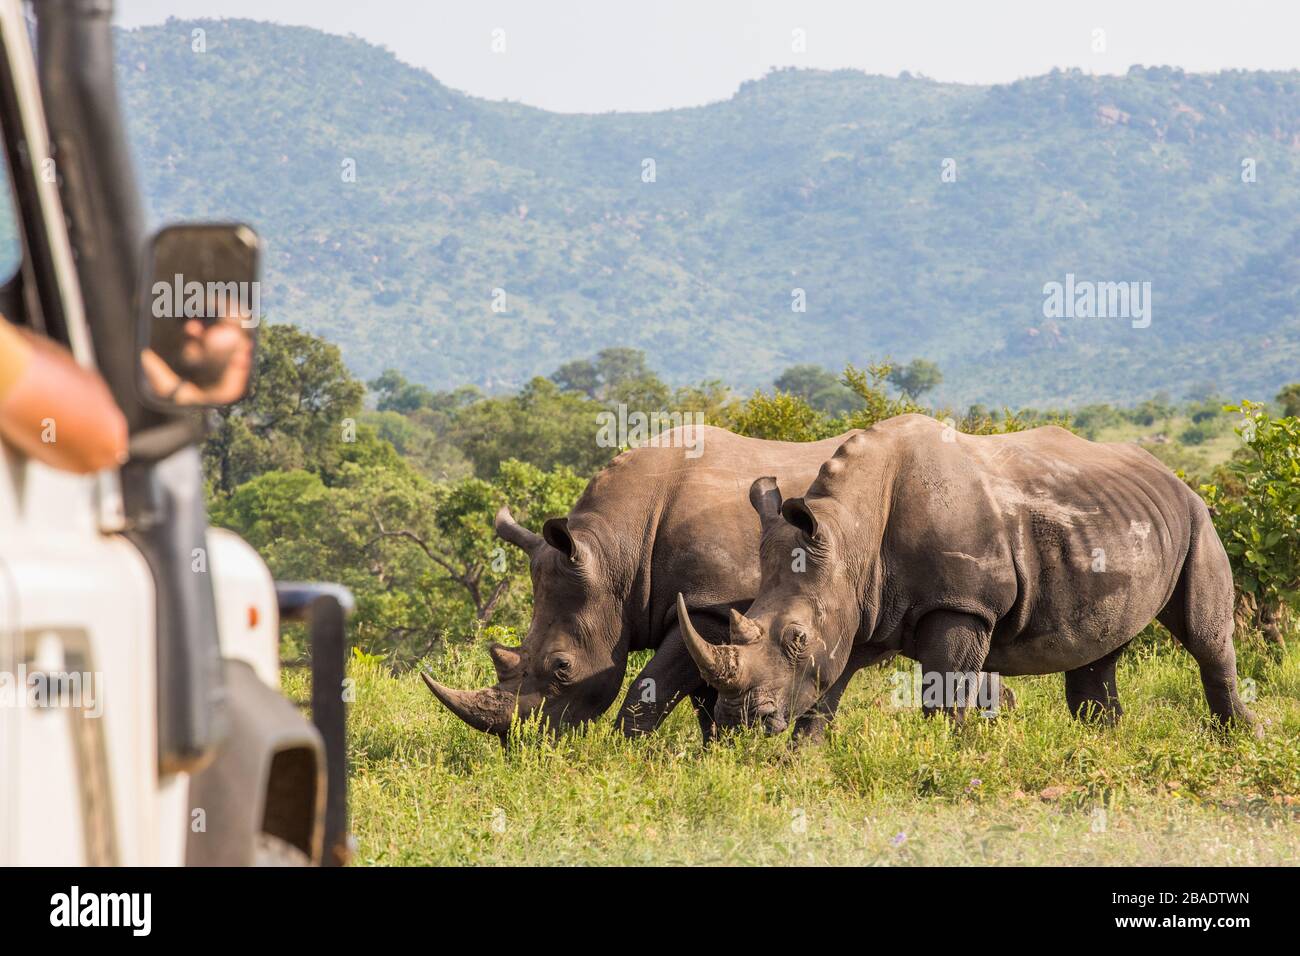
point(719, 665)
point(508, 529)
point(488, 709)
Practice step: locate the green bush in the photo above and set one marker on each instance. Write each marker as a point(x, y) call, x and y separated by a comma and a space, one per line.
point(1256, 508)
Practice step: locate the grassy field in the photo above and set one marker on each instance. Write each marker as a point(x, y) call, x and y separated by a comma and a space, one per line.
point(1196, 460)
point(888, 787)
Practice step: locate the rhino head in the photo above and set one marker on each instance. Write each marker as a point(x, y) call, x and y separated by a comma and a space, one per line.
point(795, 639)
point(570, 664)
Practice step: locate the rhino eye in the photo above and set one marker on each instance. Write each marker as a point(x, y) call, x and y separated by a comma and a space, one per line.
point(795, 641)
point(562, 670)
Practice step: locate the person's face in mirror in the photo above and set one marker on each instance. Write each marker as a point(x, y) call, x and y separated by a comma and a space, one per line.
point(212, 365)
point(211, 348)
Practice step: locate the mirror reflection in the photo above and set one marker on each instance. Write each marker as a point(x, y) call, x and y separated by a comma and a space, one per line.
point(202, 308)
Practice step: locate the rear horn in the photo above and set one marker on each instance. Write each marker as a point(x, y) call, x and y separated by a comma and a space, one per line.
point(508, 529)
point(765, 496)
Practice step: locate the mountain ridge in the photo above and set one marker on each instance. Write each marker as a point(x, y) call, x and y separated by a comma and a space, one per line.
point(826, 181)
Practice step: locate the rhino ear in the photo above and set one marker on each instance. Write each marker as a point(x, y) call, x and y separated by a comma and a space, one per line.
point(797, 512)
point(556, 533)
point(766, 499)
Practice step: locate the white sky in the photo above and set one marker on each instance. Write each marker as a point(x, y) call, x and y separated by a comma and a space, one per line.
point(595, 55)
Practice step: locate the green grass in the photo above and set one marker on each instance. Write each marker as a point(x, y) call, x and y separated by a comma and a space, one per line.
point(1195, 460)
point(887, 787)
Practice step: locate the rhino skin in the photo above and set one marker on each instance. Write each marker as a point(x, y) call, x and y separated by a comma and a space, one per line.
point(651, 524)
point(1033, 552)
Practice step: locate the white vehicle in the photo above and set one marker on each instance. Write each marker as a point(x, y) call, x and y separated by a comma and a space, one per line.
point(140, 717)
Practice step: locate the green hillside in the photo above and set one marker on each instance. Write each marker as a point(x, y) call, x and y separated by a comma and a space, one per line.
point(828, 182)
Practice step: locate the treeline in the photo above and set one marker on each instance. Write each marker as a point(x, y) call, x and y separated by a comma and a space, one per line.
point(390, 487)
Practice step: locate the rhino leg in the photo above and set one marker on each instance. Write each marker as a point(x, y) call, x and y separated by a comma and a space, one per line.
point(1199, 615)
point(705, 698)
point(1006, 697)
point(811, 727)
point(951, 648)
point(995, 697)
point(1090, 691)
point(670, 676)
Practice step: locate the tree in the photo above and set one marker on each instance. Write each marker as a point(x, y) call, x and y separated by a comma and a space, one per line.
point(916, 378)
point(710, 399)
point(1289, 399)
point(645, 393)
point(785, 417)
point(616, 365)
point(1092, 419)
point(541, 425)
point(1256, 510)
point(819, 387)
point(396, 394)
point(419, 443)
point(438, 568)
point(300, 411)
point(580, 375)
point(778, 417)
point(461, 546)
point(868, 384)
point(600, 377)
point(1157, 408)
point(1204, 392)
point(420, 557)
point(278, 513)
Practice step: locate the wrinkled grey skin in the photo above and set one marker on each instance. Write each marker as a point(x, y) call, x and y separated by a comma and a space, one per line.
point(1028, 553)
point(653, 523)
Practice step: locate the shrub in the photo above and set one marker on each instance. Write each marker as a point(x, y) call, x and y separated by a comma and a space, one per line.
point(1256, 509)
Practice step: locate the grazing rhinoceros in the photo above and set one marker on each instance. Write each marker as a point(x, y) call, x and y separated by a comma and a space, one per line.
point(654, 522)
point(1026, 553)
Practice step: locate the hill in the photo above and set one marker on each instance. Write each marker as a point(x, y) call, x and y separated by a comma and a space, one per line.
point(825, 182)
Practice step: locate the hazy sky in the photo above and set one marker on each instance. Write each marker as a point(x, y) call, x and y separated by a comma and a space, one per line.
point(593, 55)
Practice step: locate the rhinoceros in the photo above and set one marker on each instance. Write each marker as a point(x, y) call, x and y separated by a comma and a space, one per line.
point(1034, 552)
point(652, 523)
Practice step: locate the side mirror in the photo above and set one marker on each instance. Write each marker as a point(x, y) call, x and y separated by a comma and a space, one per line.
point(199, 311)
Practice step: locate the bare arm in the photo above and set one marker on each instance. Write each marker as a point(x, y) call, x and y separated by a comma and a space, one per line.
point(55, 411)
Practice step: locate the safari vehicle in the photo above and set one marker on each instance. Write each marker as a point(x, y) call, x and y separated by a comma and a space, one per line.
point(140, 721)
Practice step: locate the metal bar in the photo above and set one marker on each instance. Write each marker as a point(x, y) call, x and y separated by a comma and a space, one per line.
point(325, 607)
point(329, 713)
point(295, 597)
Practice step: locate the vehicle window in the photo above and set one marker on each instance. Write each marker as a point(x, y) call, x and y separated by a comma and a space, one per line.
point(11, 249)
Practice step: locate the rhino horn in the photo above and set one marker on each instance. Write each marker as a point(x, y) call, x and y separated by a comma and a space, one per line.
point(487, 710)
point(508, 529)
point(743, 630)
point(719, 666)
point(765, 497)
point(506, 660)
